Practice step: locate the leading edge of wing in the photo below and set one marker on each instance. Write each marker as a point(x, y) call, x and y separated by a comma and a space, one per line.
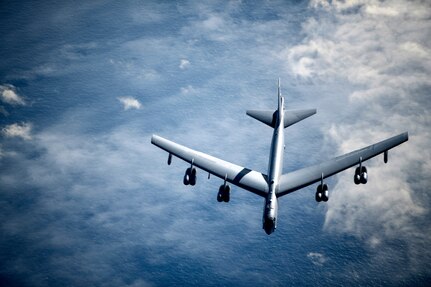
point(245, 178)
point(298, 179)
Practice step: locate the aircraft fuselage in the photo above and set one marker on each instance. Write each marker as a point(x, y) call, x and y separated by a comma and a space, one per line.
point(275, 168)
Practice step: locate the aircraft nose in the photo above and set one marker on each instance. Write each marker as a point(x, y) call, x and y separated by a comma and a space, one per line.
point(269, 226)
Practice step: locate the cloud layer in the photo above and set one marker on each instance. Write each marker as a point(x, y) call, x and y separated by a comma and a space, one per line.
point(89, 194)
point(382, 48)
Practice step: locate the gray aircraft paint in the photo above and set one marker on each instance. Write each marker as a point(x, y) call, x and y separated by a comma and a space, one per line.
point(275, 168)
point(275, 184)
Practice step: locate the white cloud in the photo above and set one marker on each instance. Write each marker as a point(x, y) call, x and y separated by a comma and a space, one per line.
point(213, 22)
point(130, 103)
point(319, 3)
point(188, 90)
point(22, 130)
point(381, 11)
point(10, 96)
point(416, 49)
point(218, 27)
point(336, 5)
point(184, 64)
point(317, 258)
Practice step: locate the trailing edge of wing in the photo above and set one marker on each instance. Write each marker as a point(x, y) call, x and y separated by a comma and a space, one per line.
point(303, 177)
point(250, 180)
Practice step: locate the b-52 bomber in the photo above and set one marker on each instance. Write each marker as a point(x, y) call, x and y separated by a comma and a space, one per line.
point(274, 184)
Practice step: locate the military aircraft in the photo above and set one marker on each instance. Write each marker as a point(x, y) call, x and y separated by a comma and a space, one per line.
point(274, 184)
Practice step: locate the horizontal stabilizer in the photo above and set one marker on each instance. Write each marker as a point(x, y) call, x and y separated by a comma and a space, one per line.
point(293, 116)
point(268, 117)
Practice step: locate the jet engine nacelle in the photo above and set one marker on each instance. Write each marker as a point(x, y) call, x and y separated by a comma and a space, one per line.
point(322, 193)
point(190, 176)
point(361, 175)
point(223, 193)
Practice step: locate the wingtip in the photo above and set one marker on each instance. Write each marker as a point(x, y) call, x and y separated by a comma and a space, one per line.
point(153, 137)
point(403, 136)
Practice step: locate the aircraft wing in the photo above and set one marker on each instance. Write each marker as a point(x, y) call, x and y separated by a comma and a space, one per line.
point(243, 177)
point(295, 180)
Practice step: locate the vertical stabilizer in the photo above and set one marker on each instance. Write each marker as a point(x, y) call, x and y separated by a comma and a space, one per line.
point(280, 98)
point(279, 92)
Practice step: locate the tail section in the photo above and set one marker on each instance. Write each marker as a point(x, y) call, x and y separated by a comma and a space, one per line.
point(269, 117)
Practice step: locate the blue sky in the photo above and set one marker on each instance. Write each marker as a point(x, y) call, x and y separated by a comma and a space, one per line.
point(85, 199)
